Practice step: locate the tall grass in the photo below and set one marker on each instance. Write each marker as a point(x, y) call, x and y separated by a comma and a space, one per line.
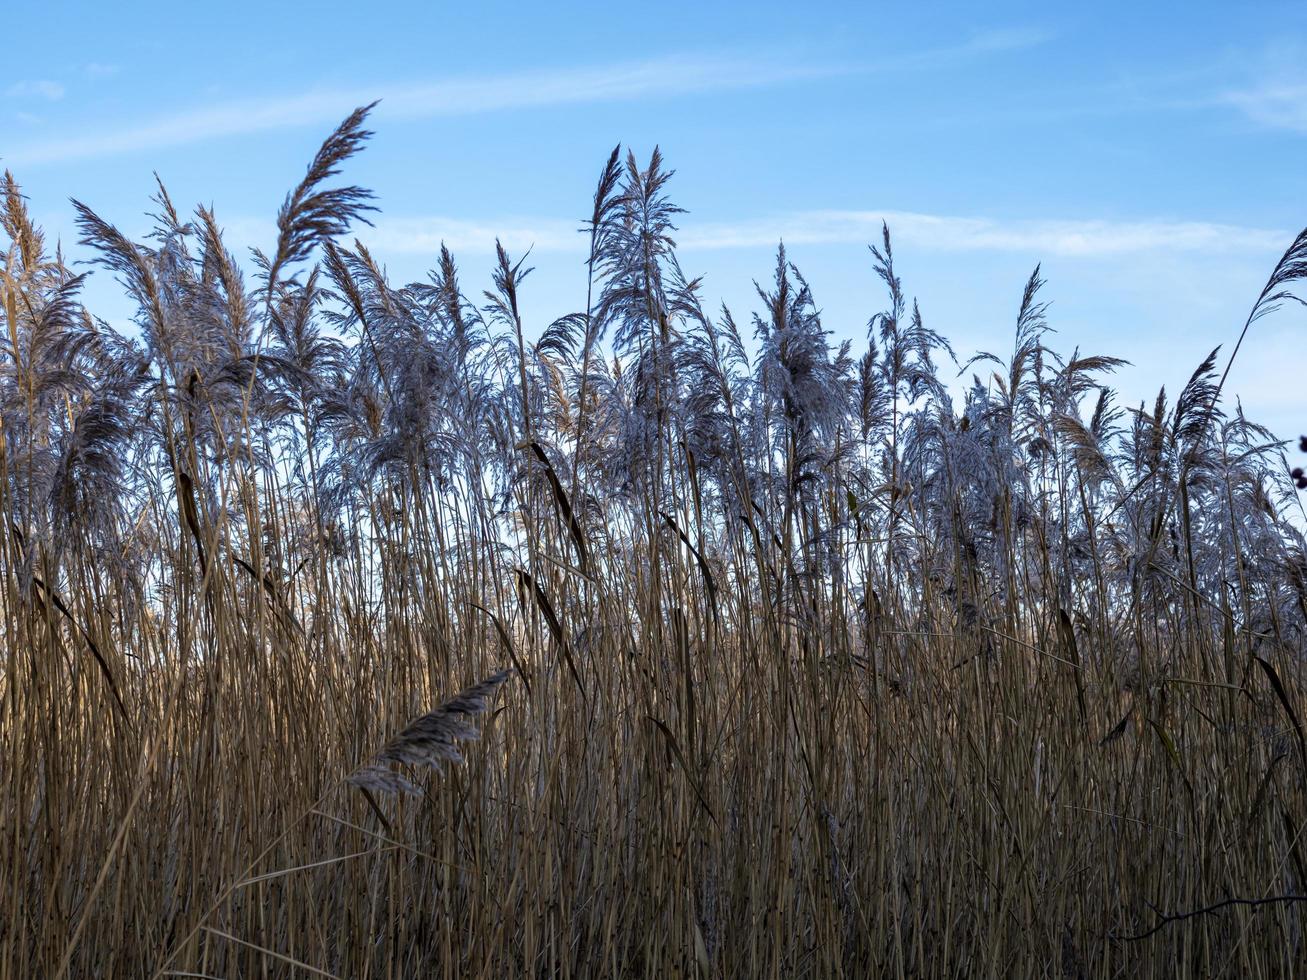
point(813, 668)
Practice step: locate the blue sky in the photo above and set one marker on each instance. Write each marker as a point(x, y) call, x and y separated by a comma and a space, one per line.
point(1151, 159)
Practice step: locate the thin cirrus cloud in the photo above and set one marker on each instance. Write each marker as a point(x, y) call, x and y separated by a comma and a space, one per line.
point(963, 234)
point(664, 77)
point(1071, 238)
point(1279, 105)
point(1274, 91)
point(35, 88)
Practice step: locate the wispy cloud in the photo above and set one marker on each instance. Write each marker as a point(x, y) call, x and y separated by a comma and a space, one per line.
point(996, 41)
point(409, 236)
point(660, 78)
point(98, 69)
point(1008, 39)
point(1279, 105)
point(424, 235)
point(1274, 93)
point(941, 233)
point(666, 77)
point(963, 234)
point(37, 88)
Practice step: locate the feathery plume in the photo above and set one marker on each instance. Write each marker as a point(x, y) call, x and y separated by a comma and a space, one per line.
point(429, 740)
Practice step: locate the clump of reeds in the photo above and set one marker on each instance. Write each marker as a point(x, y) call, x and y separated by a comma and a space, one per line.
point(829, 669)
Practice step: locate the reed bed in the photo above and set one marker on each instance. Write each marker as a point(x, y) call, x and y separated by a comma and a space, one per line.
point(780, 658)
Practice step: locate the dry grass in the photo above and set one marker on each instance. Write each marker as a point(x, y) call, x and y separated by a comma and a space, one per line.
point(813, 673)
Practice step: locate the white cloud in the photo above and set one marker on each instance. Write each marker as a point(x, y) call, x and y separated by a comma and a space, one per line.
point(407, 236)
point(650, 79)
point(97, 69)
point(41, 88)
point(948, 233)
point(666, 77)
point(424, 236)
point(1274, 93)
point(1279, 105)
point(660, 78)
point(1078, 238)
point(1008, 39)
